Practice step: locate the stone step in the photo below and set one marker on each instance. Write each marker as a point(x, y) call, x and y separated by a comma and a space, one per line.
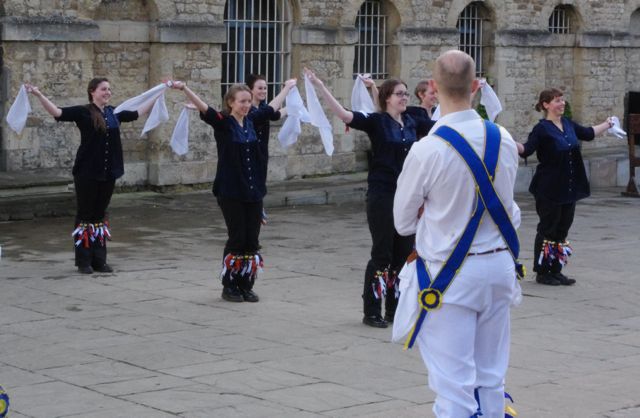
point(49, 192)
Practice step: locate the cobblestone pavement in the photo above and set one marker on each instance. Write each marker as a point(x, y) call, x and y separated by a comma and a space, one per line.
point(154, 339)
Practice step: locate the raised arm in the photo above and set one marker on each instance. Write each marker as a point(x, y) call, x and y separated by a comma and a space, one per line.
point(371, 85)
point(600, 128)
point(48, 105)
point(344, 115)
point(193, 98)
point(277, 101)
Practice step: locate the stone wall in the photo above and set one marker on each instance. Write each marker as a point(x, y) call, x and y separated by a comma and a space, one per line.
point(60, 45)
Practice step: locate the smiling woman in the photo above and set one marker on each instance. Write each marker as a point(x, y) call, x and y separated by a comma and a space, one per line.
point(392, 132)
point(240, 182)
point(98, 163)
point(559, 182)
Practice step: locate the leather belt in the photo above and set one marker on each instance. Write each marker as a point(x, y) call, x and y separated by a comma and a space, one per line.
point(495, 250)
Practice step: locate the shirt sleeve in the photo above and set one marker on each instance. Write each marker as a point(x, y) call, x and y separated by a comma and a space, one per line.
point(213, 118)
point(363, 122)
point(411, 192)
point(127, 115)
point(276, 116)
point(583, 133)
point(72, 113)
point(533, 141)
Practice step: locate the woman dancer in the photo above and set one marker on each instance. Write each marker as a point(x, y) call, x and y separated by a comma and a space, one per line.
point(97, 165)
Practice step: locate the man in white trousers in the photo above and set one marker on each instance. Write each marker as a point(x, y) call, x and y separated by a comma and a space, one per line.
point(464, 334)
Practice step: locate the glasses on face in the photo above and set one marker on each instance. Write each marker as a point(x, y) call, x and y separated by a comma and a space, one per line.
point(402, 94)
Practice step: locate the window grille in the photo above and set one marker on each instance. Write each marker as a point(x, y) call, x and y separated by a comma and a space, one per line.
point(560, 20)
point(470, 29)
point(371, 49)
point(257, 42)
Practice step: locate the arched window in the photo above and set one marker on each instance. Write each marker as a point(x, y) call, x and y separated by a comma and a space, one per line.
point(471, 28)
point(258, 33)
point(560, 20)
point(371, 49)
point(634, 27)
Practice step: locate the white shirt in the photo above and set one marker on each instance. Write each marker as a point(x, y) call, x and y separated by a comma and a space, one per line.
point(435, 176)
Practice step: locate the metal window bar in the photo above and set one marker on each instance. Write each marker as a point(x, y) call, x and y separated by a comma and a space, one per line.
point(470, 30)
point(371, 49)
point(257, 42)
point(560, 20)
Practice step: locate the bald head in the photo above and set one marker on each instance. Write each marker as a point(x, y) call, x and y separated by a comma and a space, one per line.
point(454, 73)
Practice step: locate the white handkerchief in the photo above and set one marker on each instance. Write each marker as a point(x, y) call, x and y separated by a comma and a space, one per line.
point(296, 113)
point(490, 100)
point(140, 100)
point(19, 110)
point(616, 130)
point(180, 137)
point(360, 98)
point(158, 115)
point(318, 118)
point(436, 114)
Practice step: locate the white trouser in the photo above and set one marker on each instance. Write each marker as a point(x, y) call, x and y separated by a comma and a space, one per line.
point(465, 343)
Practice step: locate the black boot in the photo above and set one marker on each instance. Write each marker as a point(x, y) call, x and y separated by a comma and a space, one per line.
point(230, 277)
point(99, 260)
point(251, 264)
point(391, 301)
point(83, 249)
point(372, 295)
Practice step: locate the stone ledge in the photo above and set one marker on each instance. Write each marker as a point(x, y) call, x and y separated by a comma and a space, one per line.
point(54, 29)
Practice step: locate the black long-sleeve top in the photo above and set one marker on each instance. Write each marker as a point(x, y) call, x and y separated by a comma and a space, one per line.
point(240, 173)
point(99, 156)
point(261, 118)
point(390, 144)
point(560, 175)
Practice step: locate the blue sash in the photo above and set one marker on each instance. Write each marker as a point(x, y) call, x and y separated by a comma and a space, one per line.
point(431, 291)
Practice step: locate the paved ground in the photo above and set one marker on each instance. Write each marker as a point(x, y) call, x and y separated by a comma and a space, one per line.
point(154, 339)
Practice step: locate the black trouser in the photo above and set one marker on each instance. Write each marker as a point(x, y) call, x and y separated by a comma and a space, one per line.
point(243, 220)
point(92, 199)
point(389, 251)
point(554, 224)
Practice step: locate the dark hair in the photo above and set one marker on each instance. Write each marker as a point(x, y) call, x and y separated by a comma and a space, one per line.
point(386, 90)
point(230, 95)
point(421, 87)
point(252, 78)
point(96, 116)
point(547, 96)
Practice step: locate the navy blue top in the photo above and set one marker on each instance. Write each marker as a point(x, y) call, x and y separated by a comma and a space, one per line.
point(419, 112)
point(99, 156)
point(560, 175)
point(240, 173)
point(260, 118)
point(390, 144)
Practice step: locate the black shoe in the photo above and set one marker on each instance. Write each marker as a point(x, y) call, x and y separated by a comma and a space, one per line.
point(85, 269)
point(375, 321)
point(548, 279)
point(232, 295)
point(564, 280)
point(249, 295)
point(388, 317)
point(105, 268)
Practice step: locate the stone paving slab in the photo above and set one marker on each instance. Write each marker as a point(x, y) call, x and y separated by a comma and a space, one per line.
point(154, 339)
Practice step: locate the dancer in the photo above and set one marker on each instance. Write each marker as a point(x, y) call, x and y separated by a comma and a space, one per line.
point(559, 182)
point(258, 85)
point(97, 165)
point(239, 185)
point(392, 132)
point(457, 292)
point(428, 101)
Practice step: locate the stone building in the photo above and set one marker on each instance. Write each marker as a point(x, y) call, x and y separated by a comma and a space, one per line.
point(591, 49)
